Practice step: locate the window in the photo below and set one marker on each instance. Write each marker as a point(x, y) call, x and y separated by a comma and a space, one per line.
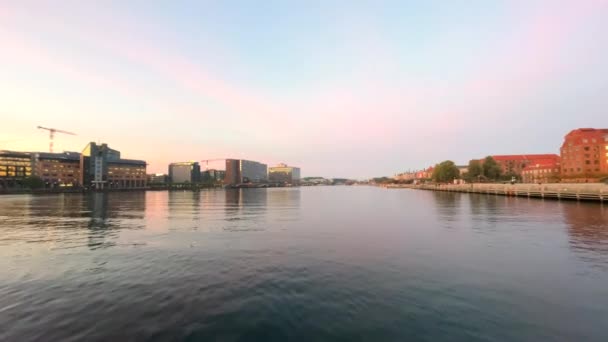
point(585, 141)
point(588, 162)
point(594, 140)
point(586, 148)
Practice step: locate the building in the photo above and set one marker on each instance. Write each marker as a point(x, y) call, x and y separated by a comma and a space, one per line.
point(213, 176)
point(184, 172)
point(284, 174)
point(158, 179)
point(14, 168)
point(240, 171)
point(102, 168)
point(57, 169)
point(541, 173)
point(585, 155)
point(515, 164)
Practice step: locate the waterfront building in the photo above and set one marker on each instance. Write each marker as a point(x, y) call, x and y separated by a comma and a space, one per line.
point(103, 168)
point(14, 168)
point(184, 172)
point(158, 179)
point(57, 169)
point(240, 171)
point(541, 173)
point(213, 176)
point(515, 164)
point(284, 174)
point(585, 155)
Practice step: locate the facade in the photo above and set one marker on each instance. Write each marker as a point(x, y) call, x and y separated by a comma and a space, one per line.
point(415, 175)
point(184, 172)
point(102, 168)
point(57, 169)
point(585, 155)
point(240, 171)
point(14, 168)
point(515, 164)
point(541, 173)
point(213, 176)
point(284, 174)
point(158, 178)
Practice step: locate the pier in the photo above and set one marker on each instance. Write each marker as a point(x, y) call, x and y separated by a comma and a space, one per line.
point(597, 192)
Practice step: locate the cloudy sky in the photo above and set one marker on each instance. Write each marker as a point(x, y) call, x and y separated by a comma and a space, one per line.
point(339, 88)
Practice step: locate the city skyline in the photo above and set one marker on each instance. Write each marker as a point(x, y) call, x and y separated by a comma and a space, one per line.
point(340, 89)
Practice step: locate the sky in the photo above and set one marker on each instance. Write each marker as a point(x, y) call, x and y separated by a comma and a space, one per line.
point(351, 89)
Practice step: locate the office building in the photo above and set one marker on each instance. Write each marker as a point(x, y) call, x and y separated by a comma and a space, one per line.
point(103, 168)
point(240, 171)
point(585, 155)
point(57, 169)
point(284, 174)
point(14, 168)
point(548, 172)
point(184, 172)
point(213, 176)
point(158, 179)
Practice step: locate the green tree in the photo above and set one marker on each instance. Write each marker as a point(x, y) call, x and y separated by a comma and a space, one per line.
point(475, 171)
point(33, 182)
point(491, 169)
point(445, 172)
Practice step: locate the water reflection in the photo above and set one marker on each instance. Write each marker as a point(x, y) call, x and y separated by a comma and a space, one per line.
point(588, 229)
point(245, 209)
point(100, 233)
point(448, 205)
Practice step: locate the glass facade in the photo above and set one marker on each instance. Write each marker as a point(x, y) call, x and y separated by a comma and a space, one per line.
point(284, 174)
point(14, 167)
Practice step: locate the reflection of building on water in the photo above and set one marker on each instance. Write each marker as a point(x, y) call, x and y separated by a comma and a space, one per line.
point(447, 204)
point(112, 212)
point(587, 226)
point(247, 205)
point(184, 203)
point(284, 197)
point(246, 198)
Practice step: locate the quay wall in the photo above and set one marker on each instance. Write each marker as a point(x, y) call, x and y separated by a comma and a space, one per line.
point(582, 192)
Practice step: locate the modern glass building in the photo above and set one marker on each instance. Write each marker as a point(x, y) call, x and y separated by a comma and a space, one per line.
point(14, 168)
point(284, 174)
point(240, 171)
point(184, 172)
point(102, 168)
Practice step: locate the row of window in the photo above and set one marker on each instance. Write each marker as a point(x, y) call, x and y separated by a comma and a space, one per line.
point(578, 170)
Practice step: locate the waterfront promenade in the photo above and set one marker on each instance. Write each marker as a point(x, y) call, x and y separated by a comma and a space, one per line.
point(582, 192)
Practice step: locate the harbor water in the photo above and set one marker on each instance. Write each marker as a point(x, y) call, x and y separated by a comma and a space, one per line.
point(301, 264)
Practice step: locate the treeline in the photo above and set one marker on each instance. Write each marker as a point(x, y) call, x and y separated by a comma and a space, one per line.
point(487, 170)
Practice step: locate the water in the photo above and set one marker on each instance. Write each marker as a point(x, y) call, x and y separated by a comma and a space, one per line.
point(320, 263)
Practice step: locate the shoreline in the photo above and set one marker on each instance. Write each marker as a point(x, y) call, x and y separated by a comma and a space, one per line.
point(592, 192)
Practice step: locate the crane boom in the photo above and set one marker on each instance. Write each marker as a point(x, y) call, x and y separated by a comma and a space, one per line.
point(52, 132)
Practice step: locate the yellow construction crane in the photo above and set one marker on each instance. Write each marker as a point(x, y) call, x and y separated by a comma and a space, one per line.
point(52, 132)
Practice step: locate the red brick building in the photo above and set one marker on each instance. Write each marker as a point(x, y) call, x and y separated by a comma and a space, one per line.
point(515, 164)
point(585, 155)
point(541, 173)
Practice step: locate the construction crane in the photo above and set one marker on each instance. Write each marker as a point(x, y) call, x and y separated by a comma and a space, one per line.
point(52, 132)
point(206, 161)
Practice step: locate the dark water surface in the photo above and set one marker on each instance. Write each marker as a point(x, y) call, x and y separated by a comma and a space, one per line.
point(320, 263)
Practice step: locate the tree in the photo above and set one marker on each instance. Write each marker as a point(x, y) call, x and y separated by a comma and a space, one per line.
point(475, 171)
point(491, 169)
point(445, 172)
